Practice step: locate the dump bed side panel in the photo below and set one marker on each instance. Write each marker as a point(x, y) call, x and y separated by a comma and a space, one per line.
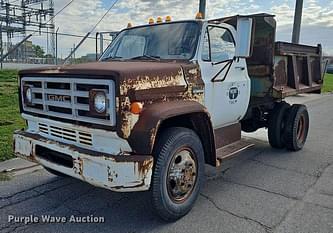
point(278, 69)
point(297, 69)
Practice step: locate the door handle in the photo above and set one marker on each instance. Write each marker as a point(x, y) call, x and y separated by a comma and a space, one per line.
point(240, 67)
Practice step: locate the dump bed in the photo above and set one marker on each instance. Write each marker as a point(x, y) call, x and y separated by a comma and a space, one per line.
point(279, 69)
point(297, 69)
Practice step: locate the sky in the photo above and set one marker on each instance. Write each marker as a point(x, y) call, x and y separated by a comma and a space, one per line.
point(81, 15)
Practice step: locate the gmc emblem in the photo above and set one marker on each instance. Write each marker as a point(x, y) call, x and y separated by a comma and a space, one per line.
point(59, 98)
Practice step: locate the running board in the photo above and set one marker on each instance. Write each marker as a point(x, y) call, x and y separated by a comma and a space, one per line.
point(231, 150)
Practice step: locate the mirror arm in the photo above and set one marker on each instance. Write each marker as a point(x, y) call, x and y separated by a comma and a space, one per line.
point(220, 62)
point(227, 66)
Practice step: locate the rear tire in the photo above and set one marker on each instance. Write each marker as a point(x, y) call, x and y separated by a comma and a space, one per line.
point(178, 173)
point(276, 125)
point(297, 127)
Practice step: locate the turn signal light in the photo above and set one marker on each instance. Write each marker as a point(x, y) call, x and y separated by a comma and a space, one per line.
point(136, 108)
point(199, 16)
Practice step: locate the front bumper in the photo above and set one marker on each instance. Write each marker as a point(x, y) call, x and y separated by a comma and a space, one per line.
point(118, 173)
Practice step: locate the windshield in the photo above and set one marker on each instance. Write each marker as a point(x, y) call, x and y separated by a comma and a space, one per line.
point(160, 41)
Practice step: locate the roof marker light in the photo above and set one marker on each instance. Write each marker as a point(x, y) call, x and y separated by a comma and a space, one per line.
point(199, 16)
point(151, 21)
point(159, 19)
point(168, 19)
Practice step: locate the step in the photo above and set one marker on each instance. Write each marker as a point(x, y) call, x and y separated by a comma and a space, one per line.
point(233, 149)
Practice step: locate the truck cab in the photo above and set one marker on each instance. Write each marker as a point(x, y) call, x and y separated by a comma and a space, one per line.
point(164, 100)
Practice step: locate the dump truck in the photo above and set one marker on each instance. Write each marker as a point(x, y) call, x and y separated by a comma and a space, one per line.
point(164, 100)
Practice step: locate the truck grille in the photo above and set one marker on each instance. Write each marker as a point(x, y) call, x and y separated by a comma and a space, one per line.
point(69, 98)
point(66, 135)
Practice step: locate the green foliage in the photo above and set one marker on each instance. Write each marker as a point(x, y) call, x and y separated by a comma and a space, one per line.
point(39, 51)
point(328, 83)
point(10, 119)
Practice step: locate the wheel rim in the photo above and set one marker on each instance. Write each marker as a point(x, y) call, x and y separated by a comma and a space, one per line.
point(182, 175)
point(301, 129)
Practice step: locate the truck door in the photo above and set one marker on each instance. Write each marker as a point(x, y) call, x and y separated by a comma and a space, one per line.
point(227, 84)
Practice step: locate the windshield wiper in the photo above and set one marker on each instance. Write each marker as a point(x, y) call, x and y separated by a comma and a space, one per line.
point(151, 57)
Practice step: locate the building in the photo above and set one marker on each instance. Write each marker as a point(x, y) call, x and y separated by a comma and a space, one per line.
point(23, 53)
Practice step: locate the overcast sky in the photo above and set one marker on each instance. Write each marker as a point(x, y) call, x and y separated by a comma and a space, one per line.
point(81, 15)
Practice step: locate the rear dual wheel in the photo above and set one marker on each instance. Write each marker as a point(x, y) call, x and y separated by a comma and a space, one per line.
point(276, 125)
point(288, 126)
point(297, 127)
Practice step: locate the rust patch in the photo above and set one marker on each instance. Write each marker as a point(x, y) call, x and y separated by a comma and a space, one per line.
point(161, 79)
point(145, 166)
point(78, 166)
point(280, 73)
point(111, 175)
point(227, 135)
point(183, 83)
point(147, 82)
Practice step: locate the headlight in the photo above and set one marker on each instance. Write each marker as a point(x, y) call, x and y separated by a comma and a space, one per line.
point(28, 95)
point(100, 102)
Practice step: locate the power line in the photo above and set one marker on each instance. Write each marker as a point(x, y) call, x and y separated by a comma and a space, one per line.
point(61, 10)
point(67, 34)
point(101, 19)
point(87, 35)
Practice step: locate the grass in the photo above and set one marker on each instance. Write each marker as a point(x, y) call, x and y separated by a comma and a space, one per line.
point(10, 119)
point(328, 83)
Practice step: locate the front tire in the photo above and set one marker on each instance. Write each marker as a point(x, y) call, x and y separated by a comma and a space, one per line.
point(178, 173)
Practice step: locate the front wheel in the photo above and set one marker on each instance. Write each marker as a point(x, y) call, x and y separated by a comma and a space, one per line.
point(178, 174)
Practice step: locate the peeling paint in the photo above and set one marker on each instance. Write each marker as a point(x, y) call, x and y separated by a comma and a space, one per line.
point(114, 172)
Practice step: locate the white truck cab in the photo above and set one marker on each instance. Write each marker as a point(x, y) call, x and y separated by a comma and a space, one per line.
point(227, 83)
point(164, 100)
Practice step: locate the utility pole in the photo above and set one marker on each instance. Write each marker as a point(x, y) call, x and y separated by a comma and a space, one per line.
point(52, 30)
point(297, 21)
point(56, 47)
point(1, 45)
point(202, 8)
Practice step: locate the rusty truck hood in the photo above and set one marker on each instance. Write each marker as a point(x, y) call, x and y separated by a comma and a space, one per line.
point(117, 69)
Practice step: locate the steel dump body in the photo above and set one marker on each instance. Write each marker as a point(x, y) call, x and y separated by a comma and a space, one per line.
point(297, 69)
point(279, 69)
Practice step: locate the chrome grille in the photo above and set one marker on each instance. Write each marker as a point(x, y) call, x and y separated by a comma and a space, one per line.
point(68, 98)
point(66, 135)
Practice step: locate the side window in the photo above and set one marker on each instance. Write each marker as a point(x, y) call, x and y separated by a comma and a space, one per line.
point(220, 45)
point(206, 47)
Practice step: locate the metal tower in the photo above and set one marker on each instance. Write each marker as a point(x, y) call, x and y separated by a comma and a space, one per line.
point(19, 17)
point(52, 30)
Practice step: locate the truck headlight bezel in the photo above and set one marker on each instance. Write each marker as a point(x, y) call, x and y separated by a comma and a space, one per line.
point(27, 94)
point(98, 102)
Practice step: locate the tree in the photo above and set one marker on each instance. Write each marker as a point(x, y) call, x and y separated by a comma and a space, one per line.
point(39, 51)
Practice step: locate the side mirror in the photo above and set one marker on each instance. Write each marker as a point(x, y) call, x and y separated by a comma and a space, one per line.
point(244, 37)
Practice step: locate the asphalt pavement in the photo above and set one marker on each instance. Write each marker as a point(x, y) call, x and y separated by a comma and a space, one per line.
point(261, 190)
